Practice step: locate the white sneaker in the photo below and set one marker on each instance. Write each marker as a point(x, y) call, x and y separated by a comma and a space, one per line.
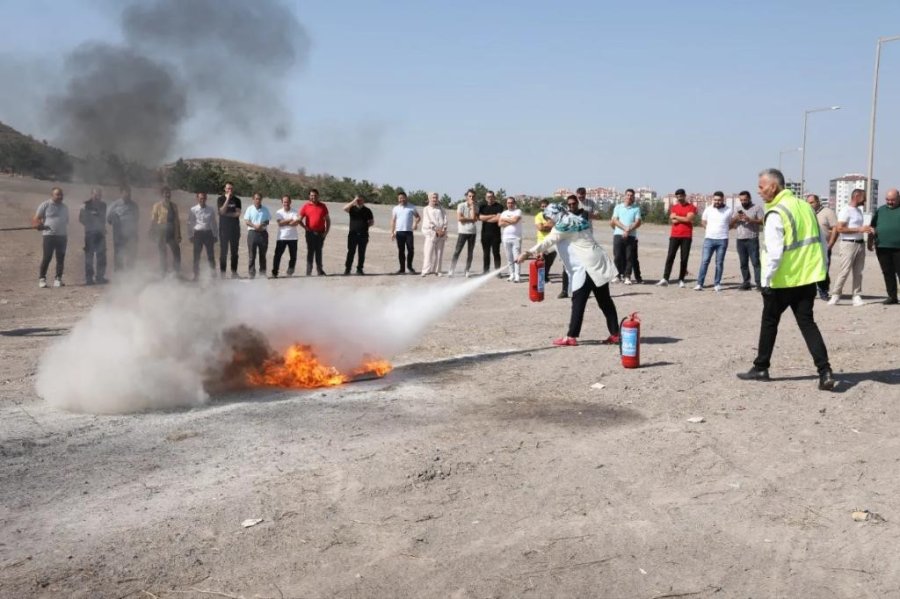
point(681, 284)
point(468, 274)
point(450, 273)
point(717, 288)
point(662, 283)
point(858, 301)
point(627, 281)
point(698, 287)
point(58, 282)
point(42, 283)
point(517, 279)
point(834, 300)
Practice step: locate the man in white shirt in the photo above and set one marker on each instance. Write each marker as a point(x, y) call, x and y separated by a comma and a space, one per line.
point(288, 234)
point(716, 219)
point(404, 220)
point(202, 227)
point(511, 235)
point(851, 229)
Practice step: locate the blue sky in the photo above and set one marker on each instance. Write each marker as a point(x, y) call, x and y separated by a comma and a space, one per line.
point(531, 96)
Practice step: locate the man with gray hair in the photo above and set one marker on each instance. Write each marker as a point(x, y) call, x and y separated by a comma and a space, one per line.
point(827, 221)
point(793, 262)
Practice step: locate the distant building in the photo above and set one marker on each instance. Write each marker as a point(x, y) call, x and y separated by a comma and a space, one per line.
point(795, 186)
point(841, 188)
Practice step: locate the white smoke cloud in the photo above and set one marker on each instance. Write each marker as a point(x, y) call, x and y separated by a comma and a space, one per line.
point(154, 345)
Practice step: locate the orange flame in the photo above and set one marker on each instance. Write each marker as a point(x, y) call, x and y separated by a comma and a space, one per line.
point(299, 368)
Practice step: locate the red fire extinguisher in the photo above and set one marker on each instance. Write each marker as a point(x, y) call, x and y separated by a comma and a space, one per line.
point(630, 341)
point(536, 280)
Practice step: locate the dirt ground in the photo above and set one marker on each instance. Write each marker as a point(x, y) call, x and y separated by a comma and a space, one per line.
point(485, 465)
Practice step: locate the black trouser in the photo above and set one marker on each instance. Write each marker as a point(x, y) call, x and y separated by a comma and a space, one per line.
point(490, 245)
point(825, 285)
point(124, 253)
point(405, 249)
point(625, 256)
point(229, 238)
point(549, 258)
point(889, 260)
point(94, 250)
point(748, 253)
point(675, 244)
point(314, 243)
point(579, 302)
point(257, 242)
point(54, 244)
point(204, 239)
point(467, 240)
point(164, 245)
point(280, 246)
point(800, 300)
point(356, 242)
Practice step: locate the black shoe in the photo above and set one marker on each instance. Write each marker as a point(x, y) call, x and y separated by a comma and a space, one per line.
point(746, 287)
point(321, 273)
point(359, 271)
point(346, 271)
point(562, 295)
point(826, 381)
point(290, 272)
point(400, 272)
point(274, 274)
point(89, 282)
point(890, 301)
point(412, 271)
point(104, 281)
point(639, 281)
point(754, 374)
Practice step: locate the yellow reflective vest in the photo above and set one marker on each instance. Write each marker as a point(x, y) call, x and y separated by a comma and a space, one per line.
point(803, 261)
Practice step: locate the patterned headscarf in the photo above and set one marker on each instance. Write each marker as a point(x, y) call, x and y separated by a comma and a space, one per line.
point(564, 221)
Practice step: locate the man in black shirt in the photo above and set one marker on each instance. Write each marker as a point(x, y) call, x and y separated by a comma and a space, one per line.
point(229, 228)
point(361, 218)
point(489, 215)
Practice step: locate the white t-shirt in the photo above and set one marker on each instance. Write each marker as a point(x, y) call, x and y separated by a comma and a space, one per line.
point(287, 233)
point(854, 218)
point(512, 231)
point(718, 221)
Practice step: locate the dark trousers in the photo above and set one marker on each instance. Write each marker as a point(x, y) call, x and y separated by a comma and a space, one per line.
point(889, 260)
point(204, 239)
point(54, 244)
point(549, 259)
point(124, 253)
point(579, 302)
point(625, 256)
point(229, 238)
point(825, 285)
point(314, 243)
point(490, 246)
point(467, 240)
point(280, 246)
point(405, 249)
point(748, 253)
point(257, 243)
point(356, 242)
point(800, 300)
point(94, 252)
point(165, 245)
point(676, 244)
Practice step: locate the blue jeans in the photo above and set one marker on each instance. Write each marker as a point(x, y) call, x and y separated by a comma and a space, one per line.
point(719, 246)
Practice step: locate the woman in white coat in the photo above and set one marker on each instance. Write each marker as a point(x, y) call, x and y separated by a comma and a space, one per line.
point(434, 227)
point(589, 268)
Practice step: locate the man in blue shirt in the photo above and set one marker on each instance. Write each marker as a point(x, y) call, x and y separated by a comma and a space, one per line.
point(257, 218)
point(626, 219)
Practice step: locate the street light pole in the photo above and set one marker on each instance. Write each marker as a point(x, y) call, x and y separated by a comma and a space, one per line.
point(871, 162)
point(806, 114)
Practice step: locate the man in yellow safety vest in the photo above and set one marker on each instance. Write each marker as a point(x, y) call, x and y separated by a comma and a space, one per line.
point(793, 262)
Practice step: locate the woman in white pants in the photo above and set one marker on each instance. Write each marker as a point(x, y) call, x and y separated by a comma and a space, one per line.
point(434, 226)
point(511, 235)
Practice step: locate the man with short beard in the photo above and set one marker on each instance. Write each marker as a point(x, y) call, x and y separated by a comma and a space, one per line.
point(746, 221)
point(257, 218)
point(716, 220)
point(124, 217)
point(828, 223)
point(93, 216)
point(165, 225)
point(229, 228)
point(886, 242)
point(489, 215)
point(202, 226)
point(316, 222)
point(851, 227)
point(626, 219)
point(681, 215)
point(52, 220)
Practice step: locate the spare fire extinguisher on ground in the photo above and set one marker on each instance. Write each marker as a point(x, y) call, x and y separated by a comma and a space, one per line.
point(630, 341)
point(536, 280)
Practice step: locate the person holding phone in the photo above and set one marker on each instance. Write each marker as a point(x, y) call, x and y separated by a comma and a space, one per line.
point(361, 218)
point(746, 222)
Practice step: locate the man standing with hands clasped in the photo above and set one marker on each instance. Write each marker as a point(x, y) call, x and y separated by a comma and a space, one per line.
point(886, 242)
point(315, 220)
point(794, 261)
point(851, 227)
point(257, 219)
point(404, 220)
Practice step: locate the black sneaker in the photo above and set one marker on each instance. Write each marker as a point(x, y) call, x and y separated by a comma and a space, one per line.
point(754, 374)
point(101, 281)
point(321, 273)
point(412, 271)
point(346, 271)
point(359, 271)
point(826, 381)
point(746, 287)
point(290, 272)
point(400, 272)
point(274, 274)
point(562, 295)
point(890, 301)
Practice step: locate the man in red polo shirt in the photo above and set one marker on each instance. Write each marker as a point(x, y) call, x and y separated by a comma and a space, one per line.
point(314, 218)
point(681, 215)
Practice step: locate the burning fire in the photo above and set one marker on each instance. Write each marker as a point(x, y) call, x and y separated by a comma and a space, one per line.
point(299, 368)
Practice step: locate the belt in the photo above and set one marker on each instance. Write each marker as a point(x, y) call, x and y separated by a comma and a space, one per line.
point(852, 240)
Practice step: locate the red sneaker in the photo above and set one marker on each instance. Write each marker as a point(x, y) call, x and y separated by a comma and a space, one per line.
point(611, 340)
point(565, 341)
